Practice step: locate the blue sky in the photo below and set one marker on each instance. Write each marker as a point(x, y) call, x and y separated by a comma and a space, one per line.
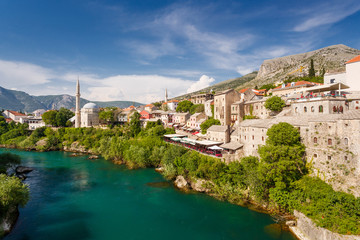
point(133, 50)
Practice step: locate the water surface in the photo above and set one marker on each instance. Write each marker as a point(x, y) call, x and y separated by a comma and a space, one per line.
point(77, 198)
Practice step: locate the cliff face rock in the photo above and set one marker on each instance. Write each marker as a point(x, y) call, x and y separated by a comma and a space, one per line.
point(181, 183)
point(331, 58)
point(306, 229)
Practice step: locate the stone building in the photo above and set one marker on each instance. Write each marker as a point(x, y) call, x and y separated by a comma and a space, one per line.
point(194, 119)
point(289, 89)
point(181, 118)
point(89, 115)
point(256, 108)
point(201, 98)
point(217, 133)
point(316, 106)
point(208, 108)
point(222, 105)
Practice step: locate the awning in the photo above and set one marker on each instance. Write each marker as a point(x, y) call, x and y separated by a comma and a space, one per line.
point(176, 139)
point(174, 135)
point(208, 143)
point(327, 87)
point(215, 148)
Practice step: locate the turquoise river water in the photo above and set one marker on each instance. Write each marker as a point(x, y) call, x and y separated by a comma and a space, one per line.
point(77, 198)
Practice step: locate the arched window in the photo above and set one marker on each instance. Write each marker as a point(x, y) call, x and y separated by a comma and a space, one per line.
point(312, 109)
point(341, 109)
point(346, 141)
point(334, 109)
point(315, 139)
point(329, 141)
point(305, 109)
point(315, 155)
point(321, 109)
point(296, 110)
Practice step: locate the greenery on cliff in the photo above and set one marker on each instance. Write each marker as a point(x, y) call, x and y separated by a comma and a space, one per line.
point(278, 179)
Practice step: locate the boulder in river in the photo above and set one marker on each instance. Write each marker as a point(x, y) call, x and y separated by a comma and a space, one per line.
point(23, 170)
point(181, 183)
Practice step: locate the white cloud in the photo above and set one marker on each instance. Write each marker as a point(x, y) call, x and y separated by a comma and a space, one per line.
point(37, 80)
point(17, 74)
point(204, 81)
point(329, 13)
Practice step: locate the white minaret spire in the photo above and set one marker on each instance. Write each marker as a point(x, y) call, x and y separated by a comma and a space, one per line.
point(77, 110)
point(166, 95)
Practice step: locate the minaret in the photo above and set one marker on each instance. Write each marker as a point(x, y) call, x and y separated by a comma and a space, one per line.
point(166, 96)
point(77, 110)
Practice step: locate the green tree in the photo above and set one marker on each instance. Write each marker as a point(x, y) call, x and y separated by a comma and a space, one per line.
point(311, 69)
point(63, 116)
point(135, 124)
point(208, 123)
point(107, 115)
point(184, 106)
point(49, 117)
point(197, 108)
point(268, 86)
point(12, 192)
point(282, 159)
point(275, 104)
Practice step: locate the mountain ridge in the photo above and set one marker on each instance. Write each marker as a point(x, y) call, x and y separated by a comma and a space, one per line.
point(24, 102)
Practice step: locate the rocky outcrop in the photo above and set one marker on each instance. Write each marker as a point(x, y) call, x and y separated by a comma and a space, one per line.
point(199, 185)
point(8, 220)
point(75, 147)
point(23, 170)
point(331, 58)
point(307, 230)
point(181, 182)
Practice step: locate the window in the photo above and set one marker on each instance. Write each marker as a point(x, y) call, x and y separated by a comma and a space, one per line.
point(315, 155)
point(345, 158)
point(296, 110)
point(321, 109)
point(253, 137)
point(305, 109)
point(262, 138)
point(329, 157)
point(332, 80)
point(315, 139)
point(346, 141)
point(329, 141)
point(335, 109)
point(312, 109)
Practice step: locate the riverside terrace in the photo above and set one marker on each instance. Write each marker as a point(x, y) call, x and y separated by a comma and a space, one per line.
point(204, 146)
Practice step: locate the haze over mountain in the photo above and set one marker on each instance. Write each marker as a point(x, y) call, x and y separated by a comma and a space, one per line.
point(21, 101)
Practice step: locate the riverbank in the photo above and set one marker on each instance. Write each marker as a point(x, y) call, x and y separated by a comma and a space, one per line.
point(277, 181)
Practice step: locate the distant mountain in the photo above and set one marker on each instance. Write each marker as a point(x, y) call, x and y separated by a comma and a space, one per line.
point(21, 101)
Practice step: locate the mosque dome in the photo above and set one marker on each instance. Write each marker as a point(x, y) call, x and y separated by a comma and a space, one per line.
point(90, 106)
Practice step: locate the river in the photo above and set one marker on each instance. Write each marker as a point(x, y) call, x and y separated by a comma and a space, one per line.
point(78, 198)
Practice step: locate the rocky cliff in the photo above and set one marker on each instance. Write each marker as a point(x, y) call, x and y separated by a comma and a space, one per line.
point(331, 58)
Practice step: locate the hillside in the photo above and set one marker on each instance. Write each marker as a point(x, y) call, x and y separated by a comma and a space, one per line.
point(221, 86)
point(331, 58)
point(21, 101)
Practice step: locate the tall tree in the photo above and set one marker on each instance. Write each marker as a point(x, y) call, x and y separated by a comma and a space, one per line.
point(312, 69)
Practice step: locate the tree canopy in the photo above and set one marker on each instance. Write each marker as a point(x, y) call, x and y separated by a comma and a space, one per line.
point(57, 118)
point(275, 104)
point(197, 108)
point(208, 123)
point(184, 106)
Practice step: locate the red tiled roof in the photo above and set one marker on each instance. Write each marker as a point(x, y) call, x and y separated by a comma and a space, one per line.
point(355, 59)
point(298, 84)
point(243, 90)
point(173, 101)
point(8, 120)
point(149, 105)
point(16, 113)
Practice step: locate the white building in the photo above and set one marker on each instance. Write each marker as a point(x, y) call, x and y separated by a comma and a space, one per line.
point(89, 115)
point(353, 73)
point(330, 78)
point(207, 107)
point(172, 105)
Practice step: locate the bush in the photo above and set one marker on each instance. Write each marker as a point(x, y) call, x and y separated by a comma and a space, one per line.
point(275, 104)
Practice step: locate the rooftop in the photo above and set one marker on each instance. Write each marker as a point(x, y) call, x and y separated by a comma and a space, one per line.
point(355, 59)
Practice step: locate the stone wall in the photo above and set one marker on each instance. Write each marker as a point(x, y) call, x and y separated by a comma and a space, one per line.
point(306, 229)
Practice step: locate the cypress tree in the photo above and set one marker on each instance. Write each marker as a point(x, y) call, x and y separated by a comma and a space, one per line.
point(312, 69)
